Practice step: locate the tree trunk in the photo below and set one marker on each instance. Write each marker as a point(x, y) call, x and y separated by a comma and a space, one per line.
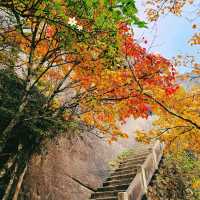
point(7, 165)
point(19, 184)
point(7, 131)
point(8, 189)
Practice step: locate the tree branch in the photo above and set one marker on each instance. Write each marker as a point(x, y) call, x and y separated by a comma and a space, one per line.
point(171, 112)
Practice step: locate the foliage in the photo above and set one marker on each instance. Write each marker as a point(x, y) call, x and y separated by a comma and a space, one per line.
point(155, 9)
point(75, 54)
point(176, 178)
point(12, 89)
point(121, 92)
point(29, 132)
point(86, 66)
point(175, 132)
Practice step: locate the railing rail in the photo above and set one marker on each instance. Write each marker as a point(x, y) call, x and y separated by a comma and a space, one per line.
point(138, 186)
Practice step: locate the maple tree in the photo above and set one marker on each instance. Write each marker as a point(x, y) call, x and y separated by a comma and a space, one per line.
point(52, 44)
point(176, 133)
point(83, 58)
point(174, 119)
point(93, 67)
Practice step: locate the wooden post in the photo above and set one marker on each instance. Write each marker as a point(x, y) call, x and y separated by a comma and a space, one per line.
point(154, 159)
point(154, 153)
point(144, 181)
point(123, 196)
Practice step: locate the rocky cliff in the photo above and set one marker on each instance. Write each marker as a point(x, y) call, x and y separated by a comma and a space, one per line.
point(70, 169)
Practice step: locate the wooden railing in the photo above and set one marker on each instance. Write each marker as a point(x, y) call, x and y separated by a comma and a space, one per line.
point(138, 186)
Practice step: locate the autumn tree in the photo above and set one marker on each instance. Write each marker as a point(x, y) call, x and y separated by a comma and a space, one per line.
point(82, 57)
point(177, 133)
point(93, 66)
point(178, 115)
point(58, 47)
point(177, 119)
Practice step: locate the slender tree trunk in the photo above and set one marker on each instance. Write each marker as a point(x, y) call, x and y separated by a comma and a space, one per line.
point(8, 189)
point(19, 184)
point(6, 132)
point(7, 165)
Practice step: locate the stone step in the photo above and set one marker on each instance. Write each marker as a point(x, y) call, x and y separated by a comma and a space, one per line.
point(113, 188)
point(118, 182)
point(132, 163)
point(121, 172)
point(124, 168)
point(135, 158)
point(139, 149)
point(142, 145)
point(130, 159)
point(146, 152)
point(123, 176)
point(106, 194)
point(106, 198)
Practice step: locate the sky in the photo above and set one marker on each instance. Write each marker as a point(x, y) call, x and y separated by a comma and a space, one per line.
point(170, 34)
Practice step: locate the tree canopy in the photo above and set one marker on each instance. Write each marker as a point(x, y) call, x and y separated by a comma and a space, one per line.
point(77, 65)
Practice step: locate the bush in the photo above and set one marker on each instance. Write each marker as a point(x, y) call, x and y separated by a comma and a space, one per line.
point(176, 178)
point(32, 128)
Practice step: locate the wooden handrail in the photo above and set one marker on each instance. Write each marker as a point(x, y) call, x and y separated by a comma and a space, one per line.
point(138, 186)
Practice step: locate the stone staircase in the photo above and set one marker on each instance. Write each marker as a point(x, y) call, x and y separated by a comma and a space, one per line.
point(118, 185)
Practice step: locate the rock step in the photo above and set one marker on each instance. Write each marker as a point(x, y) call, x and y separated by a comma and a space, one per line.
point(106, 198)
point(123, 176)
point(117, 182)
point(139, 150)
point(135, 159)
point(132, 163)
point(113, 188)
point(142, 145)
point(121, 168)
point(138, 154)
point(106, 194)
point(124, 171)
